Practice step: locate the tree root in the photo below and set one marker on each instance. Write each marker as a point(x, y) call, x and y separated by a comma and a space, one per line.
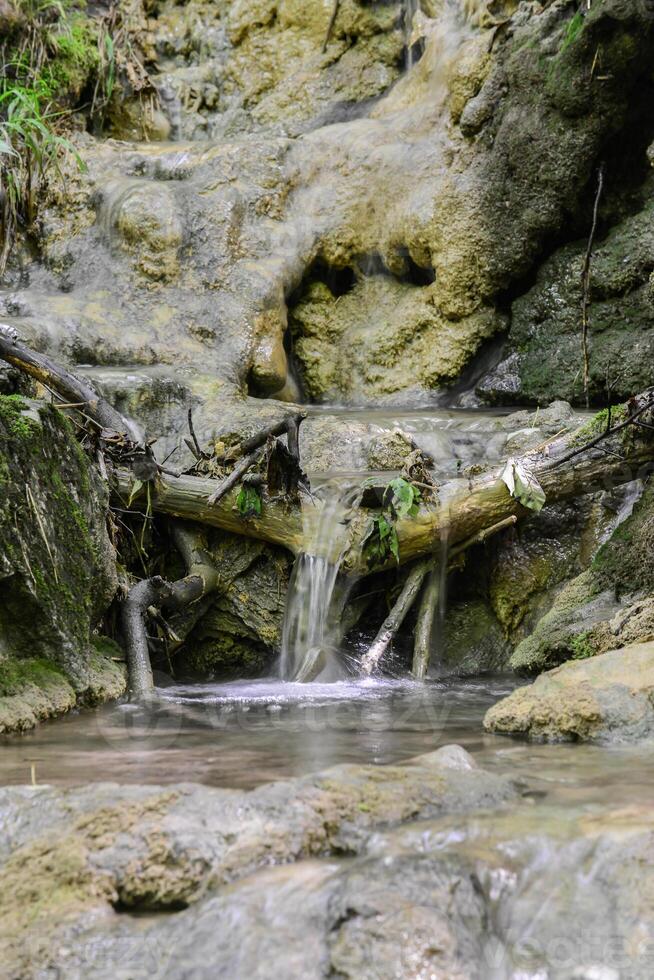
point(201, 579)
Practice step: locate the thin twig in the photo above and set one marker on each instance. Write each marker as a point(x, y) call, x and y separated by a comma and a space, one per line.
point(585, 285)
point(193, 435)
point(607, 432)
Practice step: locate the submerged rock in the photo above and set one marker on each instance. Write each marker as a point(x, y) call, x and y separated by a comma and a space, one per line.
point(609, 696)
point(57, 569)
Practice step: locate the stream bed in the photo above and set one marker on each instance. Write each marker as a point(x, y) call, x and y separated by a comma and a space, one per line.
point(243, 734)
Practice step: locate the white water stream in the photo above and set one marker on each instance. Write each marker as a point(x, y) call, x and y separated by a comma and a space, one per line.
point(311, 632)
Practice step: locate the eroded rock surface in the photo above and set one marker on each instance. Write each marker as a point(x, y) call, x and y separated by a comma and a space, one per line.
point(147, 849)
point(390, 238)
point(315, 876)
point(608, 696)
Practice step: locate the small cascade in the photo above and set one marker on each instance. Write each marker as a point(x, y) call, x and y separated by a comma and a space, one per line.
point(311, 631)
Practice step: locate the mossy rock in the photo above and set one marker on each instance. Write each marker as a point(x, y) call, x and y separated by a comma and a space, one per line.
point(57, 565)
point(609, 600)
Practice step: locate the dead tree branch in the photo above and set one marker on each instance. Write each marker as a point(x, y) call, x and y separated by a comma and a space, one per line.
point(396, 617)
point(200, 580)
point(69, 387)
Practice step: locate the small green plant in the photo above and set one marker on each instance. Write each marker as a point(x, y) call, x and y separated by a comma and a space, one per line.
point(57, 57)
point(248, 501)
point(400, 499)
point(581, 647)
point(29, 147)
point(573, 31)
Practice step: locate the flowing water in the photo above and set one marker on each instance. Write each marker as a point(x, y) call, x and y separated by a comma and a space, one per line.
point(248, 732)
point(311, 632)
point(316, 598)
point(243, 734)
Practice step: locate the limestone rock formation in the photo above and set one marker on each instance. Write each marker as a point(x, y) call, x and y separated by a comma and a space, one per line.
point(609, 603)
point(608, 696)
point(542, 357)
point(316, 876)
point(386, 237)
point(157, 849)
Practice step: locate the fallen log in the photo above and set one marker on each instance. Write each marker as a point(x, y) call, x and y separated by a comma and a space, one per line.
point(566, 467)
point(188, 497)
point(593, 458)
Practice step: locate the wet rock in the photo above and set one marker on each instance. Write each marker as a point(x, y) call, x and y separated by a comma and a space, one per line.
point(143, 848)
point(389, 451)
point(57, 568)
point(474, 640)
point(454, 894)
point(240, 631)
point(376, 340)
point(246, 67)
point(216, 245)
point(605, 697)
point(607, 604)
point(148, 224)
point(543, 357)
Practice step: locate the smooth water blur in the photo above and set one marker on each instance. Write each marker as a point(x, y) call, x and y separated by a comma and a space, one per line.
point(311, 631)
point(243, 734)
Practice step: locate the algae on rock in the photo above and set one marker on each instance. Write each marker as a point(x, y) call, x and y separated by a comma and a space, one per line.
point(608, 603)
point(57, 567)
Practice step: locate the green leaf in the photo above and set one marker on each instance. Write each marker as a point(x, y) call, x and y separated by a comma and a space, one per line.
point(248, 501)
point(136, 486)
point(380, 541)
point(523, 485)
point(394, 545)
point(401, 498)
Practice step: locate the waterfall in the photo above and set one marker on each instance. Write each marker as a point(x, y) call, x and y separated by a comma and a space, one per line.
point(311, 631)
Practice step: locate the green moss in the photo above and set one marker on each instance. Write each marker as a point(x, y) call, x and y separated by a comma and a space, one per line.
point(52, 534)
point(75, 60)
point(598, 424)
point(581, 647)
point(573, 30)
point(104, 646)
point(16, 674)
point(626, 560)
point(17, 424)
point(226, 656)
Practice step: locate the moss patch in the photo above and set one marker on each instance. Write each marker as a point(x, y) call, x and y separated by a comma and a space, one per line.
point(57, 571)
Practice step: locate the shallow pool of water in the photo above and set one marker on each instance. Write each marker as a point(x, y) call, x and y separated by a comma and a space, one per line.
point(242, 734)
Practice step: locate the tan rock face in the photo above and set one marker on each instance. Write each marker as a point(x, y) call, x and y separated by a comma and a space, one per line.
point(604, 697)
point(428, 201)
